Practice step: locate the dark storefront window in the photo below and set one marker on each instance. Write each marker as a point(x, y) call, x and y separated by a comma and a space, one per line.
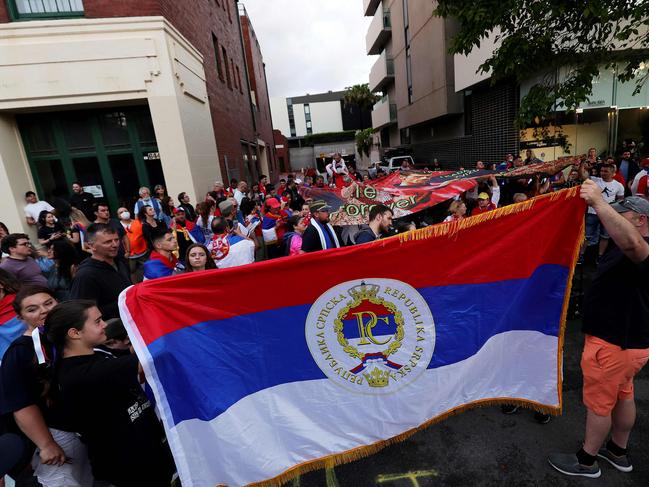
point(111, 152)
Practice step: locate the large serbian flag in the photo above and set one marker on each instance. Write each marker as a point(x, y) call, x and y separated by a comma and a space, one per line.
point(264, 371)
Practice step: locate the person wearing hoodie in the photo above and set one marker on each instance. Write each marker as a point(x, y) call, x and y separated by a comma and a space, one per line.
point(162, 261)
point(102, 277)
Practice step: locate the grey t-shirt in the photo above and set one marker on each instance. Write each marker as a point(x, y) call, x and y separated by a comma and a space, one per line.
point(26, 271)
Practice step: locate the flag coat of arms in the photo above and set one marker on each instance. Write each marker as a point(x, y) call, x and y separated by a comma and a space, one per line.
point(269, 370)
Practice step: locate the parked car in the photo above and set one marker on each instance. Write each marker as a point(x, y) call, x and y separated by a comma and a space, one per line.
point(394, 163)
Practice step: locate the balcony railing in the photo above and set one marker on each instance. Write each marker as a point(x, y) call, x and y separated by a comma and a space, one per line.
point(379, 31)
point(384, 113)
point(382, 72)
point(44, 9)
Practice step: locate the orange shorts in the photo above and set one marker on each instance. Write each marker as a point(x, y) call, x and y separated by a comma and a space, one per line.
point(608, 373)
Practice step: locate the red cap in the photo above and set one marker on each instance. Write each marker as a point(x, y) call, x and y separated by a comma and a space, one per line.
point(178, 210)
point(645, 162)
point(272, 203)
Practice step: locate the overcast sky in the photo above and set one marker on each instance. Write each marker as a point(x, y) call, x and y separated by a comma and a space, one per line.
point(311, 46)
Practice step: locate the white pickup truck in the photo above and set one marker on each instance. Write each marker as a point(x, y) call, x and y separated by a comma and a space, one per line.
point(395, 163)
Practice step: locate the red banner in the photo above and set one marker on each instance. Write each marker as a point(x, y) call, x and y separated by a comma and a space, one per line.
point(412, 191)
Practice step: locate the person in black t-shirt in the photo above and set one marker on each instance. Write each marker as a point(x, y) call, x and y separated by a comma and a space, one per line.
point(48, 228)
point(82, 200)
point(103, 399)
point(616, 323)
point(29, 405)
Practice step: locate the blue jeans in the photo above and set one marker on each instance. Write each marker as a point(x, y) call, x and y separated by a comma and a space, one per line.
point(594, 230)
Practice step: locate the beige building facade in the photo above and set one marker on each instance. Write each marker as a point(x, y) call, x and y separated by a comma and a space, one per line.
point(414, 71)
point(115, 102)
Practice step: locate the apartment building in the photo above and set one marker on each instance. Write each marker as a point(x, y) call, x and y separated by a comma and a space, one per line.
point(421, 109)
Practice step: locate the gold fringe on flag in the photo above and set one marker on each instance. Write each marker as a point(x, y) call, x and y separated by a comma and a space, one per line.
point(368, 450)
point(450, 229)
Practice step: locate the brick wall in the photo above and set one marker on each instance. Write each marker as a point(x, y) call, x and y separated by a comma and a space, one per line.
point(282, 152)
point(96, 9)
point(229, 101)
point(258, 83)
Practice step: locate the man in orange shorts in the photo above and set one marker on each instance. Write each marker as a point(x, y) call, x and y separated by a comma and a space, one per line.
point(617, 335)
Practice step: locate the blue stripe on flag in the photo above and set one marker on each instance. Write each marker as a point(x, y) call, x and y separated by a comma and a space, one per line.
point(253, 352)
point(350, 328)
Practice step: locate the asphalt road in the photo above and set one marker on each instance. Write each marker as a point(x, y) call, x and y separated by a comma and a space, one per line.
point(484, 447)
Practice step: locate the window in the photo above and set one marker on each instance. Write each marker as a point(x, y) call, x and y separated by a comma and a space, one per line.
point(307, 118)
point(291, 116)
point(409, 74)
point(226, 66)
point(217, 57)
point(406, 34)
point(229, 12)
point(44, 9)
point(405, 136)
point(239, 80)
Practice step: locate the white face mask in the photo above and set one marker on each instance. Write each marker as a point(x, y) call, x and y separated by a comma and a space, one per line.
point(125, 215)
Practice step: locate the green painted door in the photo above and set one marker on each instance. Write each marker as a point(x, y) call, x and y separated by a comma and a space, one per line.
point(112, 152)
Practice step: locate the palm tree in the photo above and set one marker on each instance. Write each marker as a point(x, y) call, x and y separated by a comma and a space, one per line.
point(361, 96)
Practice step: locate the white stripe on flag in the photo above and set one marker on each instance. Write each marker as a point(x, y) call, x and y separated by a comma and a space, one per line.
point(270, 431)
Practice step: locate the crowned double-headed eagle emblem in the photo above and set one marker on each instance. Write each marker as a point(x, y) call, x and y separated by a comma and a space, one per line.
point(372, 336)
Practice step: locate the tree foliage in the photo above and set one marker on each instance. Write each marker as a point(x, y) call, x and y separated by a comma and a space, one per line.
point(361, 96)
point(364, 140)
point(545, 37)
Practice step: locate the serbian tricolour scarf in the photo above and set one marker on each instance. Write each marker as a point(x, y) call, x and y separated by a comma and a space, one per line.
point(349, 358)
point(323, 239)
point(11, 327)
point(160, 266)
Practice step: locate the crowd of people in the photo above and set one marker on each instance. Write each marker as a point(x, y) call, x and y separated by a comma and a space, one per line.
point(72, 391)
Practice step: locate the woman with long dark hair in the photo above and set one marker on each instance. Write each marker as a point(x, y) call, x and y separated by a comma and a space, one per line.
point(59, 277)
point(198, 258)
point(105, 401)
point(204, 211)
point(150, 226)
point(48, 228)
point(168, 206)
point(32, 405)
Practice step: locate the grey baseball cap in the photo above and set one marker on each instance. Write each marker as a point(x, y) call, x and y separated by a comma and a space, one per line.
point(632, 203)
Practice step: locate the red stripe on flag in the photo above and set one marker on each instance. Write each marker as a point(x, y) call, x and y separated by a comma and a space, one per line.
point(510, 246)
